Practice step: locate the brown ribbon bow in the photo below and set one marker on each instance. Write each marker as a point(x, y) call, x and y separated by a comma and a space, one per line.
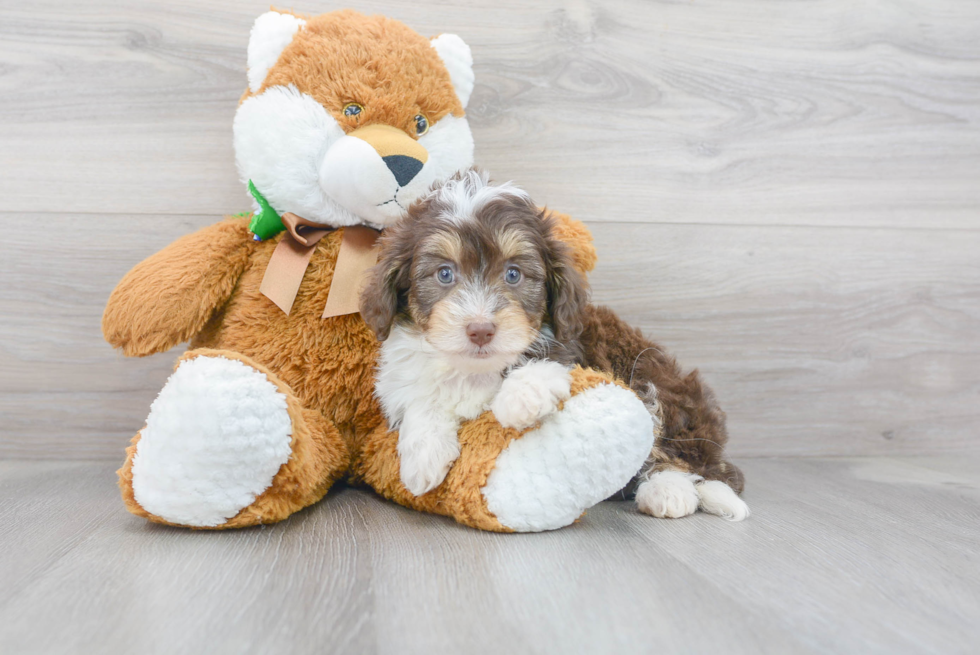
point(287, 266)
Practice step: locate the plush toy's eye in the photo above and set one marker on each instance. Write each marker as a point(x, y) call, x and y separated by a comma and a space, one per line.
point(353, 109)
point(445, 274)
point(512, 275)
point(421, 124)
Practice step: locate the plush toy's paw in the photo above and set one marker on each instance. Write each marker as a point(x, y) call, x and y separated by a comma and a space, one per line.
point(530, 393)
point(426, 452)
point(578, 457)
point(668, 495)
point(216, 436)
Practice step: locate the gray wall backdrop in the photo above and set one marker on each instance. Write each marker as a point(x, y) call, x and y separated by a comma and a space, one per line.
point(786, 194)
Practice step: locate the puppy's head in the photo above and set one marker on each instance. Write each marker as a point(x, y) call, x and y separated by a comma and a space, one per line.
point(476, 270)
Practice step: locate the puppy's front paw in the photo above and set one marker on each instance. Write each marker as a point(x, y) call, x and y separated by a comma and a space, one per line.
point(426, 459)
point(530, 393)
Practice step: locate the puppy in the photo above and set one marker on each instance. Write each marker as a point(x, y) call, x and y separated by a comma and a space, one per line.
point(461, 306)
point(479, 307)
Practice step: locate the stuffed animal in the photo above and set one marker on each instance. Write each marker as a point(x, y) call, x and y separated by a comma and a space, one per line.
point(346, 121)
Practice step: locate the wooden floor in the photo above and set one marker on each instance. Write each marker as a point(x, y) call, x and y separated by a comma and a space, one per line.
point(869, 555)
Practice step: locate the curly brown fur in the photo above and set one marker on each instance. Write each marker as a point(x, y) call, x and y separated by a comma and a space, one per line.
point(506, 231)
point(693, 433)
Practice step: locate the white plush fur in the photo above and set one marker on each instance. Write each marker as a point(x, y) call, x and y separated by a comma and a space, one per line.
point(354, 175)
point(280, 139)
point(449, 143)
point(271, 33)
point(531, 392)
point(456, 55)
point(668, 494)
point(425, 395)
point(716, 497)
point(216, 436)
point(579, 456)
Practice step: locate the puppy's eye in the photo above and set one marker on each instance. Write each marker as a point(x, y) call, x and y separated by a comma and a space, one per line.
point(421, 124)
point(445, 275)
point(512, 275)
point(353, 109)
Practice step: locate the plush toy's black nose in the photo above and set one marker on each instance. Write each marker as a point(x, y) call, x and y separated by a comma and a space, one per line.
point(402, 167)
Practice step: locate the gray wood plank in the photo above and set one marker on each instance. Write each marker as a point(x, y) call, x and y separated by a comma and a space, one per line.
point(873, 555)
point(819, 341)
point(712, 112)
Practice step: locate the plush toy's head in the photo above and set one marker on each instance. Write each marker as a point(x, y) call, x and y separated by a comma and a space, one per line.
point(348, 119)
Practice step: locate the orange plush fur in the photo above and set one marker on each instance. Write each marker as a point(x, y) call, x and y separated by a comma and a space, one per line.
point(206, 286)
point(384, 66)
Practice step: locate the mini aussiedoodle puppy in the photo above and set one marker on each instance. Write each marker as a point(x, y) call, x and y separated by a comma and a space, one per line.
point(480, 308)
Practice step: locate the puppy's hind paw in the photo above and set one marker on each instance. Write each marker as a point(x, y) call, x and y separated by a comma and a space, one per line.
point(668, 495)
point(530, 393)
point(718, 498)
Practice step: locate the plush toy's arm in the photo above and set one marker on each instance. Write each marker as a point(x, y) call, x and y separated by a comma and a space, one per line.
point(579, 239)
point(167, 298)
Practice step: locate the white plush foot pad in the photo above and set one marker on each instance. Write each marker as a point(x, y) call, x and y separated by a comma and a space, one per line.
point(216, 436)
point(576, 458)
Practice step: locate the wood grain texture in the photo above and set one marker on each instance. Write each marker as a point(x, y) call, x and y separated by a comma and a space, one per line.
point(817, 341)
point(759, 112)
point(783, 194)
point(872, 555)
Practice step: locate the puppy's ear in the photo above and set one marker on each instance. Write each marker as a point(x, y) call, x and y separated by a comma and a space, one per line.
point(384, 294)
point(568, 291)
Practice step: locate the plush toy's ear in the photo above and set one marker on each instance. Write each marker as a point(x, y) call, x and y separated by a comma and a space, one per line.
point(271, 33)
point(456, 55)
point(577, 237)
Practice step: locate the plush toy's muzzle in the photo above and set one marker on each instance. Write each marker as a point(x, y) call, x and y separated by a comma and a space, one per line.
point(376, 172)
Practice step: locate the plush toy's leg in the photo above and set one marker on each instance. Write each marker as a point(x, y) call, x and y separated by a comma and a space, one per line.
point(541, 479)
point(228, 445)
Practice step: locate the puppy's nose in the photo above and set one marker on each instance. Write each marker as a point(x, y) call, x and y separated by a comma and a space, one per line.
point(404, 168)
point(480, 333)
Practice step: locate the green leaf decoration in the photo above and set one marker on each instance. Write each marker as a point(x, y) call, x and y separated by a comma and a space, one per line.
point(266, 222)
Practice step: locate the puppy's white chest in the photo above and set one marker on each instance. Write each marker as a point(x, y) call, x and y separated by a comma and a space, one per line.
point(411, 375)
point(475, 399)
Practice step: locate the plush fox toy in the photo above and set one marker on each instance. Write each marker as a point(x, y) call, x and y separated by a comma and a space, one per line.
point(346, 121)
